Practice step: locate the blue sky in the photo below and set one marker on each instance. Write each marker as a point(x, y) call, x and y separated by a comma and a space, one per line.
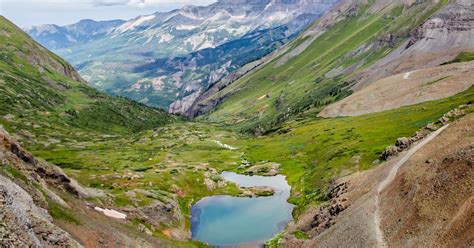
point(33, 12)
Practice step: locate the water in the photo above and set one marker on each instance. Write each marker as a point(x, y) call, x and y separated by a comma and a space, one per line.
point(229, 221)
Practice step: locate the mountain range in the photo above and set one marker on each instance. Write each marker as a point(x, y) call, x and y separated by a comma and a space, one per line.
point(111, 55)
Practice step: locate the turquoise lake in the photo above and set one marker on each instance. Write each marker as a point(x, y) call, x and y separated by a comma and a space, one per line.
point(233, 221)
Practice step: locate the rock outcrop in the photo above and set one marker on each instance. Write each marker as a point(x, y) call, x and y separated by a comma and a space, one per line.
point(25, 185)
point(403, 144)
point(436, 41)
point(24, 224)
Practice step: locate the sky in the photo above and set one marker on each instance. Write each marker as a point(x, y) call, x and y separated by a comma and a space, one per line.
point(62, 12)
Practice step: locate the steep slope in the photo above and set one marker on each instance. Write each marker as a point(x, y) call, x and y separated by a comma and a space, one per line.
point(430, 185)
point(196, 71)
point(339, 51)
point(48, 90)
point(45, 104)
point(437, 40)
point(153, 59)
point(25, 222)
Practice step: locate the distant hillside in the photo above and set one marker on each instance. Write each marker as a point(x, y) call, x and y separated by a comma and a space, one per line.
point(56, 37)
point(41, 89)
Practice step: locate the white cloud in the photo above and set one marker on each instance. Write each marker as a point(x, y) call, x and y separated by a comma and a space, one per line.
point(109, 2)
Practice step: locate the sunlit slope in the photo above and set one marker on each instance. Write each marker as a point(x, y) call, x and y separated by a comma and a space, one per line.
point(321, 74)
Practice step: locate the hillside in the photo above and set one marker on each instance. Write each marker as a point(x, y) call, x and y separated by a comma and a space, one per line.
point(51, 94)
point(56, 37)
point(347, 49)
point(431, 189)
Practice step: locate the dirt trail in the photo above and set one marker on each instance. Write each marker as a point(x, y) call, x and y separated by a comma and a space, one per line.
point(389, 179)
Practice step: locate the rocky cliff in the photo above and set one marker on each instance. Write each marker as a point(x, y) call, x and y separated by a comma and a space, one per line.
point(27, 185)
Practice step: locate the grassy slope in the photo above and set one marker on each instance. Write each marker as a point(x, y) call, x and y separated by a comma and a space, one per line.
point(300, 83)
point(37, 93)
point(318, 150)
point(48, 109)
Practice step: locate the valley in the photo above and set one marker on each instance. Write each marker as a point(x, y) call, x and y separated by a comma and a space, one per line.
point(353, 115)
point(193, 47)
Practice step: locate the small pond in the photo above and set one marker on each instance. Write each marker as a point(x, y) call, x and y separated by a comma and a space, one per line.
point(230, 221)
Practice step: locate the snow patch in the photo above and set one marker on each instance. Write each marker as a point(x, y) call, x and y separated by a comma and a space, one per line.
point(134, 23)
point(228, 147)
point(166, 38)
point(186, 27)
point(111, 213)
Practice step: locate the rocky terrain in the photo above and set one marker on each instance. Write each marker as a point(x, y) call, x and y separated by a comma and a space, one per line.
point(26, 186)
point(436, 41)
point(431, 189)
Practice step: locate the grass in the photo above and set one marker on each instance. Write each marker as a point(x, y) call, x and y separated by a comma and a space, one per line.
point(47, 95)
point(462, 57)
point(300, 235)
point(170, 159)
point(10, 170)
point(317, 150)
point(58, 212)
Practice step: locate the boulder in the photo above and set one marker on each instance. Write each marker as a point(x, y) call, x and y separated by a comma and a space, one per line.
point(389, 151)
point(403, 143)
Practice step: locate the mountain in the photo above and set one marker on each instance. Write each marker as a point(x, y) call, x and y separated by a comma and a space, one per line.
point(352, 46)
point(58, 37)
point(194, 72)
point(114, 62)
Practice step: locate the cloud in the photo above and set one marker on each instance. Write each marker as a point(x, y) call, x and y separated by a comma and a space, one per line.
point(110, 2)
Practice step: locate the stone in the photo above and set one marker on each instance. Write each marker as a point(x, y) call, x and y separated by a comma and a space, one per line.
point(389, 151)
point(403, 142)
point(432, 127)
point(444, 120)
